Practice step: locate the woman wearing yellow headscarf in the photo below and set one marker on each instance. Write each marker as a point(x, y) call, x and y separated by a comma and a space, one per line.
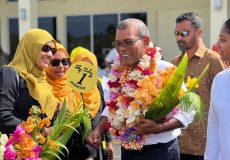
point(23, 82)
point(56, 77)
point(83, 54)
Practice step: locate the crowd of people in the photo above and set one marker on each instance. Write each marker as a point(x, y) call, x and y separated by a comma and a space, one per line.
point(37, 76)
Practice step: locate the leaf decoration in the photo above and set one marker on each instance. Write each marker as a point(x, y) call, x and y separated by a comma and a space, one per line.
point(167, 98)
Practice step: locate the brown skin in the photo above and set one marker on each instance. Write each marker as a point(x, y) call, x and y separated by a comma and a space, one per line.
point(188, 44)
point(224, 44)
point(44, 58)
point(148, 126)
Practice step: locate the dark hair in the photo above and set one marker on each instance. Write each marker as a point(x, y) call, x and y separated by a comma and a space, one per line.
point(142, 28)
point(194, 18)
point(227, 25)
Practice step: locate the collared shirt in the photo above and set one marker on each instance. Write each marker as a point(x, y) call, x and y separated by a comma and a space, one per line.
point(164, 137)
point(193, 138)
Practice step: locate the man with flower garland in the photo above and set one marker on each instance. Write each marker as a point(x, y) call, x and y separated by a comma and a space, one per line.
point(135, 61)
point(188, 32)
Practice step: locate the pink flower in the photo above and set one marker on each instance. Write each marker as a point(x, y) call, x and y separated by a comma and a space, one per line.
point(9, 142)
point(32, 158)
point(9, 154)
point(113, 95)
point(37, 150)
point(18, 132)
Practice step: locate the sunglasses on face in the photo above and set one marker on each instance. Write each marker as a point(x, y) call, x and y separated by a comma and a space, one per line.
point(46, 48)
point(125, 43)
point(183, 33)
point(56, 62)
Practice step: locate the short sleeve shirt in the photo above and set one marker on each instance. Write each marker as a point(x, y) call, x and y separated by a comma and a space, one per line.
point(193, 138)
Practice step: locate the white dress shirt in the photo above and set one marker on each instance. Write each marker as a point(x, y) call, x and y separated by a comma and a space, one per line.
point(164, 137)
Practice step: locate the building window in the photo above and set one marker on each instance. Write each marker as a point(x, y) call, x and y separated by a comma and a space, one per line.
point(49, 24)
point(141, 16)
point(104, 28)
point(78, 32)
point(14, 36)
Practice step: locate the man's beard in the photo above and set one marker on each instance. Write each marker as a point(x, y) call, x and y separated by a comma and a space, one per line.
point(182, 46)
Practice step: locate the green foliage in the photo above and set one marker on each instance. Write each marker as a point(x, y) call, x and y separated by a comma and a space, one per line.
point(191, 101)
point(168, 96)
point(64, 126)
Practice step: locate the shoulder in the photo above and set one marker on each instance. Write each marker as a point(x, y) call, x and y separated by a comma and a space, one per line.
point(176, 60)
point(223, 75)
point(220, 81)
point(7, 70)
point(215, 61)
point(212, 55)
point(8, 76)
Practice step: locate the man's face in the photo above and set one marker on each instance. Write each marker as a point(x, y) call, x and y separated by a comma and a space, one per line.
point(130, 46)
point(186, 36)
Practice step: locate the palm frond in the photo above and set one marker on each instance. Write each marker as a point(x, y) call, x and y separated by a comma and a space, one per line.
point(63, 128)
point(61, 114)
point(192, 102)
point(86, 122)
point(50, 153)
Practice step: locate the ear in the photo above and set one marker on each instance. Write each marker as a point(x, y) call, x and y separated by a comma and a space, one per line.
point(200, 32)
point(146, 40)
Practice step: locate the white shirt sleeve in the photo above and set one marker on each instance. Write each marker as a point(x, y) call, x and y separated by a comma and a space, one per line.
point(185, 117)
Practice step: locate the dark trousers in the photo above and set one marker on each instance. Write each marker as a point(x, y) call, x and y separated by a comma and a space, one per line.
point(191, 157)
point(160, 151)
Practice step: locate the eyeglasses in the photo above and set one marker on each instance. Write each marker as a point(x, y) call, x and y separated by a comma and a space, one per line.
point(56, 62)
point(183, 33)
point(125, 43)
point(46, 48)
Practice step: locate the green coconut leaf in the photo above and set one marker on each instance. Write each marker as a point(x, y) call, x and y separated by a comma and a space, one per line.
point(62, 146)
point(50, 153)
point(167, 98)
point(191, 101)
point(63, 128)
point(87, 125)
point(61, 114)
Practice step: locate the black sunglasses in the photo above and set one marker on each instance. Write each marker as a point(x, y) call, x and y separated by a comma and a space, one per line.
point(46, 48)
point(56, 62)
point(183, 33)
